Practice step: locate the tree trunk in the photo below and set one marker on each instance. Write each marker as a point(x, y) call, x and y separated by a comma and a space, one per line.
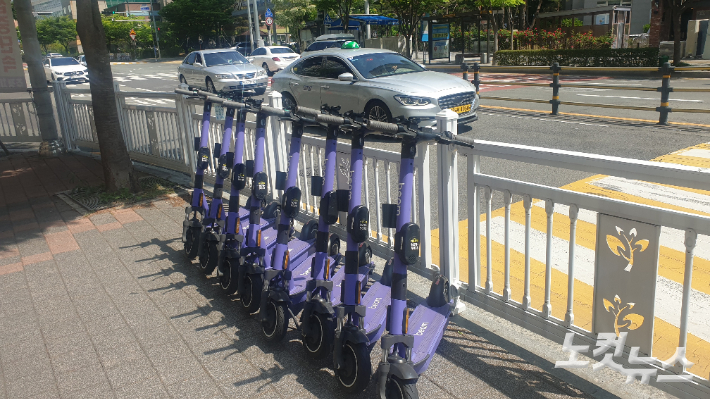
point(677, 17)
point(117, 166)
point(537, 11)
point(38, 80)
point(495, 38)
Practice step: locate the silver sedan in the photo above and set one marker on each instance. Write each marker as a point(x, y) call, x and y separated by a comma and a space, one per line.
point(381, 83)
point(222, 70)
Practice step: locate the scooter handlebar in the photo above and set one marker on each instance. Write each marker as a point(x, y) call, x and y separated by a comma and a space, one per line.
point(274, 111)
point(307, 111)
point(383, 127)
point(330, 119)
point(233, 104)
point(185, 92)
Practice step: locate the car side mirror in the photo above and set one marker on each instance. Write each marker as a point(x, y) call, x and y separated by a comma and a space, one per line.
point(197, 63)
point(250, 59)
point(421, 65)
point(346, 77)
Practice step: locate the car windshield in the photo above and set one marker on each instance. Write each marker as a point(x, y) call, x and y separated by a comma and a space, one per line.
point(377, 65)
point(64, 61)
point(315, 46)
point(224, 58)
point(281, 51)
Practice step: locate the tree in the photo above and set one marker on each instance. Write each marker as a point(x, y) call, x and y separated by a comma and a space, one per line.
point(117, 166)
point(677, 8)
point(409, 13)
point(491, 5)
point(117, 32)
point(342, 8)
point(60, 30)
point(190, 19)
point(293, 14)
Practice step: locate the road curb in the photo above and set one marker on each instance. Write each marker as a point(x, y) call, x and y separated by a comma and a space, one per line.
point(632, 72)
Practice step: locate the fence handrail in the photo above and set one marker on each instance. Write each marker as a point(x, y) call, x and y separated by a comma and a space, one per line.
point(147, 94)
point(149, 108)
point(656, 172)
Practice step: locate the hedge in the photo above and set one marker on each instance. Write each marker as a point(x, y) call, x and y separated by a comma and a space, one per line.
point(619, 57)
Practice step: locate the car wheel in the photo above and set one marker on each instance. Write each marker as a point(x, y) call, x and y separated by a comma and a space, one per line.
point(183, 80)
point(266, 68)
point(288, 102)
point(210, 86)
point(378, 111)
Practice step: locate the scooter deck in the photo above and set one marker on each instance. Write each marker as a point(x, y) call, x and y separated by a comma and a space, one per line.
point(297, 250)
point(339, 277)
point(376, 300)
point(427, 325)
point(244, 219)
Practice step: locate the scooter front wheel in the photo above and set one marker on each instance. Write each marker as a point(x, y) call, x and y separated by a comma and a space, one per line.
point(398, 389)
point(276, 323)
point(208, 262)
point(319, 342)
point(192, 242)
point(251, 297)
point(354, 375)
point(230, 276)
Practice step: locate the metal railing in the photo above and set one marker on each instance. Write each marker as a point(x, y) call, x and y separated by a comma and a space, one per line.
point(164, 136)
point(18, 121)
point(664, 109)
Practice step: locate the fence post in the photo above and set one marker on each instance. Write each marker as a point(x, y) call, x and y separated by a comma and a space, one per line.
point(274, 153)
point(476, 78)
point(186, 136)
point(421, 161)
point(447, 157)
point(120, 105)
point(464, 67)
point(665, 90)
point(555, 87)
point(62, 114)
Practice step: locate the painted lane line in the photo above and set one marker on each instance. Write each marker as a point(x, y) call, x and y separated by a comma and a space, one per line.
point(638, 98)
point(655, 192)
point(695, 152)
point(668, 293)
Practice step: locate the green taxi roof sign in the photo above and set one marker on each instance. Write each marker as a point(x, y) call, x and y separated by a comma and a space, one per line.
point(350, 45)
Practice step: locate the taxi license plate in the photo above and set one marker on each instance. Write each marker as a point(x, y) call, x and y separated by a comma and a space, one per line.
point(462, 109)
point(248, 82)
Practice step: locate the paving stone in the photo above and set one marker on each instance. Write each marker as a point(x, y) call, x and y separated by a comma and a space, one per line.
point(79, 342)
point(81, 379)
point(75, 359)
point(197, 387)
point(100, 391)
point(151, 388)
point(29, 386)
point(174, 367)
point(37, 365)
point(116, 346)
point(131, 372)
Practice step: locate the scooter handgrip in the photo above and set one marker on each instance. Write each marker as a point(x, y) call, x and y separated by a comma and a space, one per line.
point(273, 111)
point(185, 92)
point(214, 98)
point(233, 104)
point(307, 111)
point(330, 119)
point(467, 141)
point(383, 127)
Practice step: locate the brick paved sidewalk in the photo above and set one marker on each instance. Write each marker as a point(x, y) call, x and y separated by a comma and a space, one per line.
point(108, 306)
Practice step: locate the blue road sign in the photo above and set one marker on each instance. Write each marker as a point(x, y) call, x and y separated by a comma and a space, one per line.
point(327, 21)
point(145, 8)
point(268, 13)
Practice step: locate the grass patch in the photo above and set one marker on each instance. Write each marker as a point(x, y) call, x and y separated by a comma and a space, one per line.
point(150, 187)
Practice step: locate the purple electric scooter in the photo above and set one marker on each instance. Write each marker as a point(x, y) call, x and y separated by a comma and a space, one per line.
point(192, 226)
point(405, 356)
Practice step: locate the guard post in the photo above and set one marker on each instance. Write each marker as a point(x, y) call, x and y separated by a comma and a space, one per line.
point(464, 67)
point(476, 78)
point(665, 90)
point(555, 87)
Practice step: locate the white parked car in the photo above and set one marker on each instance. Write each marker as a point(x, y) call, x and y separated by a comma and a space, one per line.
point(81, 59)
point(221, 70)
point(54, 55)
point(381, 83)
point(65, 69)
point(273, 58)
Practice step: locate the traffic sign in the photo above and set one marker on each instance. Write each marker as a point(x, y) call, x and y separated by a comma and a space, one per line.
point(269, 21)
point(132, 35)
point(145, 8)
point(327, 21)
point(269, 13)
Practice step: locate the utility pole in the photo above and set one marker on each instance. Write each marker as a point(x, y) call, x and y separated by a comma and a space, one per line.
point(155, 25)
point(257, 26)
point(367, 27)
point(251, 27)
point(43, 101)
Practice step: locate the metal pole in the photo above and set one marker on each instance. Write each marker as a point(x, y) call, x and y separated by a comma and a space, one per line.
point(257, 25)
point(464, 66)
point(555, 88)
point(476, 79)
point(665, 90)
point(157, 38)
point(367, 27)
point(251, 28)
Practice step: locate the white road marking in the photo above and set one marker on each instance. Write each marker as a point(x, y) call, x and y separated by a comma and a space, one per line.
point(696, 152)
point(639, 98)
point(655, 192)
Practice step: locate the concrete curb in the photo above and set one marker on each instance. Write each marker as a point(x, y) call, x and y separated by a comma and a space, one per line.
point(571, 71)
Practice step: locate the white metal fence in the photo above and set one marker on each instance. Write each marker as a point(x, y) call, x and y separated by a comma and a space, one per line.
point(163, 136)
point(18, 121)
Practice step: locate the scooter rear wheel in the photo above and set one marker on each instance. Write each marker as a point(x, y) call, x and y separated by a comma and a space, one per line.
point(354, 375)
point(208, 262)
point(229, 278)
point(276, 323)
point(251, 297)
point(192, 242)
point(319, 343)
point(398, 389)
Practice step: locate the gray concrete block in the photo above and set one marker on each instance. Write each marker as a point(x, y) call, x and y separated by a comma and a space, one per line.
point(151, 388)
point(80, 379)
point(131, 372)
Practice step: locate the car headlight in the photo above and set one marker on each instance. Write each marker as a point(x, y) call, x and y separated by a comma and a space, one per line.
point(410, 100)
point(223, 76)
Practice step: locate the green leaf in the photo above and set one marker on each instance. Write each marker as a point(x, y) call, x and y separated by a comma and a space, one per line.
point(614, 244)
